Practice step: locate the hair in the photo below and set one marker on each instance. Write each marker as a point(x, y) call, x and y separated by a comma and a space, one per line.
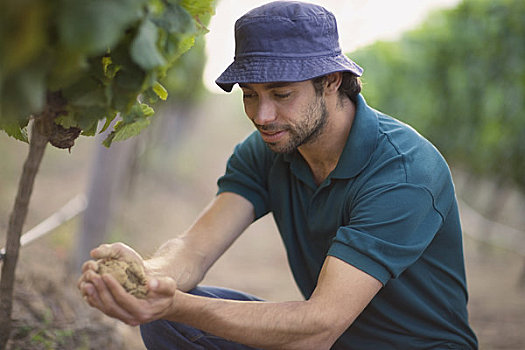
point(350, 86)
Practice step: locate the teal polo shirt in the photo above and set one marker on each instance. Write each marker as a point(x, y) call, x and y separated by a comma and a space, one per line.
point(389, 209)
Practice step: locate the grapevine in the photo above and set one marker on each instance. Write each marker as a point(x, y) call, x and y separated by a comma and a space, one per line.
point(78, 67)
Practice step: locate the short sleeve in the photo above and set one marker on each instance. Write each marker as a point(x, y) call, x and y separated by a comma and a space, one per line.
point(247, 172)
point(390, 227)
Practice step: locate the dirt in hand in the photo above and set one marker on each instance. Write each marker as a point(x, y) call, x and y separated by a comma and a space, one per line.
point(129, 274)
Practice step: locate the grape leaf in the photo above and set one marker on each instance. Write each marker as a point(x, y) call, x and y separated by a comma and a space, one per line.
point(109, 119)
point(175, 19)
point(92, 130)
point(126, 131)
point(199, 8)
point(132, 123)
point(144, 51)
point(24, 93)
point(14, 129)
point(86, 92)
point(93, 26)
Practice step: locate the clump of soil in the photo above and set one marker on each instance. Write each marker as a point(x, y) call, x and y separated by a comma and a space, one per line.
point(129, 274)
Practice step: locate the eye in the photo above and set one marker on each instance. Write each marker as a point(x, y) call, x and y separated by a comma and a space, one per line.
point(282, 95)
point(246, 94)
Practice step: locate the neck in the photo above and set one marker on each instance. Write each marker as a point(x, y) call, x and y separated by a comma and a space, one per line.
point(322, 154)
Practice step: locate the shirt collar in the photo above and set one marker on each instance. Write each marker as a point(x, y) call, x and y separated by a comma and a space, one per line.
point(361, 142)
point(359, 146)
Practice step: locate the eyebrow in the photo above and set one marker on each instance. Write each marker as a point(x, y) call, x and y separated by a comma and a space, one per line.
point(269, 86)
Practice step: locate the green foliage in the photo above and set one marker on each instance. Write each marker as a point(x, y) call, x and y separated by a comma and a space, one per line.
point(460, 80)
point(184, 79)
point(107, 58)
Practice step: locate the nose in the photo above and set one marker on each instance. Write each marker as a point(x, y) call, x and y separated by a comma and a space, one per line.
point(265, 112)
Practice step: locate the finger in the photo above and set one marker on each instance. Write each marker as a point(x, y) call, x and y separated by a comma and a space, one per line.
point(160, 299)
point(86, 288)
point(109, 304)
point(89, 294)
point(118, 302)
point(119, 294)
point(143, 310)
point(97, 294)
point(80, 282)
point(89, 265)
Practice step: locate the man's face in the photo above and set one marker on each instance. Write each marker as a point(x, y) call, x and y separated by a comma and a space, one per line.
point(287, 115)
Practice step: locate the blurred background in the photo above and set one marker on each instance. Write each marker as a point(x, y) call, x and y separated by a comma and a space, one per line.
point(454, 70)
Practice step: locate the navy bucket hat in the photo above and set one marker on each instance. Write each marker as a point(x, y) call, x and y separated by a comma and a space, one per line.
point(285, 41)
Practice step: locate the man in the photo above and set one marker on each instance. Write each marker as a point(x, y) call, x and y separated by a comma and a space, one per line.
point(365, 206)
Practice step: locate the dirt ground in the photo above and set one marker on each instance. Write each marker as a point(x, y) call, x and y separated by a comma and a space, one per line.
point(173, 186)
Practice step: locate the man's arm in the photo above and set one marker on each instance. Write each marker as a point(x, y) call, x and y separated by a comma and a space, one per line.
point(341, 295)
point(182, 261)
point(187, 258)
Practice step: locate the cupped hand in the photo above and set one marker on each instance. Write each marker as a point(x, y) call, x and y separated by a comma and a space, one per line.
point(106, 294)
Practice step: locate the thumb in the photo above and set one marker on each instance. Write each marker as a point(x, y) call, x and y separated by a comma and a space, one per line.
point(162, 285)
point(115, 251)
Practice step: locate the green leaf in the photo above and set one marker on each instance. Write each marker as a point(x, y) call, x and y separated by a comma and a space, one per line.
point(15, 130)
point(91, 26)
point(199, 8)
point(86, 92)
point(160, 91)
point(147, 111)
point(24, 93)
point(175, 19)
point(144, 50)
point(137, 111)
point(109, 119)
point(89, 115)
point(68, 67)
point(128, 82)
point(185, 44)
point(131, 124)
point(92, 130)
point(124, 131)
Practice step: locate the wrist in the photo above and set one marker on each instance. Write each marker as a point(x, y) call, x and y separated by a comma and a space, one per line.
point(155, 266)
point(177, 312)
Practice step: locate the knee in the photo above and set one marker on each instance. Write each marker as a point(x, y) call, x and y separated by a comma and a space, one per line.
point(151, 333)
point(167, 335)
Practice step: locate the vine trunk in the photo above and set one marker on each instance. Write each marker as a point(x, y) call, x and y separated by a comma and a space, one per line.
point(37, 146)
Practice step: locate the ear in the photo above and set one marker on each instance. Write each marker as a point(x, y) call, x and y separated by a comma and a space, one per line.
point(332, 82)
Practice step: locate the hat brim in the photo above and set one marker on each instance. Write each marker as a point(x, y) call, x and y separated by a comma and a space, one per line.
point(260, 69)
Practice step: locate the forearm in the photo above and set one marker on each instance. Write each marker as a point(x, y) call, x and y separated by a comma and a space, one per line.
point(341, 294)
point(188, 257)
point(286, 325)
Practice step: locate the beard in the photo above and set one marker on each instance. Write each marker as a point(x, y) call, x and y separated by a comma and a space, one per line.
point(311, 124)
